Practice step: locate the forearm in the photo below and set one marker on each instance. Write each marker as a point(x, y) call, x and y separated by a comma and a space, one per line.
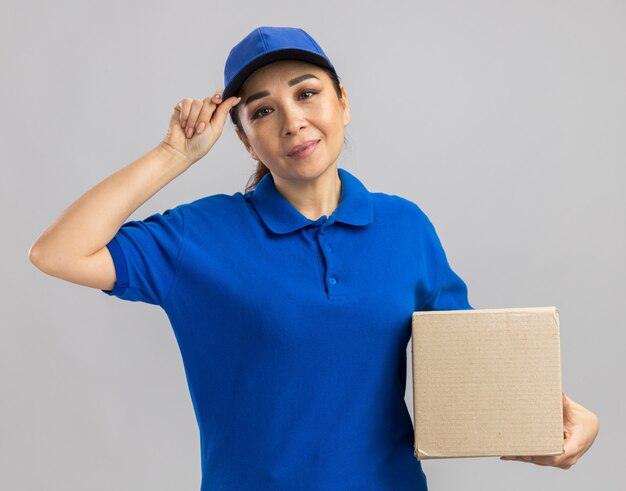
point(90, 222)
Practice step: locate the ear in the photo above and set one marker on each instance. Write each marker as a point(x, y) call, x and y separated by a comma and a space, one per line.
point(345, 105)
point(246, 144)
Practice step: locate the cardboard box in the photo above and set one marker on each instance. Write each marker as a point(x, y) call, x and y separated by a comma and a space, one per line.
point(487, 382)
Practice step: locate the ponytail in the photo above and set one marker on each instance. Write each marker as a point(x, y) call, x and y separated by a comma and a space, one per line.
point(254, 179)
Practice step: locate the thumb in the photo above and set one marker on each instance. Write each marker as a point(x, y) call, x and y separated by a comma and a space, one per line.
point(223, 109)
point(567, 408)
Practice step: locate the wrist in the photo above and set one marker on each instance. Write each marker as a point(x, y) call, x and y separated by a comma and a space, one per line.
point(170, 156)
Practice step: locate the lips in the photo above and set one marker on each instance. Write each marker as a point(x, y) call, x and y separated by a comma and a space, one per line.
point(302, 146)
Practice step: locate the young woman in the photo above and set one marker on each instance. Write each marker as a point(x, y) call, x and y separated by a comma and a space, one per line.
point(292, 302)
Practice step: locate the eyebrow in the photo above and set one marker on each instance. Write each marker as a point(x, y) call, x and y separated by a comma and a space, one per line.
point(291, 83)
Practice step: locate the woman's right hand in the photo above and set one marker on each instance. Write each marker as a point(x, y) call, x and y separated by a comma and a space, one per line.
point(195, 125)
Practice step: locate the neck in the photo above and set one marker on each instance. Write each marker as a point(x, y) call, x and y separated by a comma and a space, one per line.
point(313, 198)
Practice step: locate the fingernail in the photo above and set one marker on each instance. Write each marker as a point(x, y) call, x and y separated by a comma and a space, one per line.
point(200, 128)
point(183, 124)
point(189, 132)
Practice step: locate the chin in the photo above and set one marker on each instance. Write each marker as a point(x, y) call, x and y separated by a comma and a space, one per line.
point(313, 171)
point(302, 170)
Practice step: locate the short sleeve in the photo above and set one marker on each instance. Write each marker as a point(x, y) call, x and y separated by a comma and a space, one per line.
point(450, 291)
point(145, 255)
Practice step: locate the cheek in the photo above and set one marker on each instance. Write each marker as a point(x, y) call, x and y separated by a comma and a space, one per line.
point(323, 116)
point(266, 146)
point(333, 120)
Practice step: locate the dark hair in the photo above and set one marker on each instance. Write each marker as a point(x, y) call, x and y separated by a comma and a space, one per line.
point(261, 169)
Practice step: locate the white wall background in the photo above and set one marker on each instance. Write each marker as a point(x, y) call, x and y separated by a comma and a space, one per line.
point(504, 121)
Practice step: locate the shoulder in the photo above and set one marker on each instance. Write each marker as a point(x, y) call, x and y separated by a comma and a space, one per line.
point(399, 210)
point(216, 205)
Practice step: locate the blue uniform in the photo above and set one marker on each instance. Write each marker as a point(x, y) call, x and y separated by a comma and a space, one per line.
point(293, 332)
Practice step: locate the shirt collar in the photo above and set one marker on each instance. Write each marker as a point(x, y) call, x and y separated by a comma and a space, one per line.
point(355, 205)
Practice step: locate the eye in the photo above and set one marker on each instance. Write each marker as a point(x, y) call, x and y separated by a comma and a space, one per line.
point(312, 92)
point(259, 113)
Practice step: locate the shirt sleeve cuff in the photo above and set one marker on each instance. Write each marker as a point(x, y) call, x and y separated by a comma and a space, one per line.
point(121, 268)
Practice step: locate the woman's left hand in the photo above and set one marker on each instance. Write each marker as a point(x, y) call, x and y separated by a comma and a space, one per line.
point(580, 427)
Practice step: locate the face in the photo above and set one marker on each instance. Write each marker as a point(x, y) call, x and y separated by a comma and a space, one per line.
point(288, 103)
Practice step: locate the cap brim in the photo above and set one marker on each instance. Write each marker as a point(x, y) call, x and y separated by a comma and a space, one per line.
point(283, 54)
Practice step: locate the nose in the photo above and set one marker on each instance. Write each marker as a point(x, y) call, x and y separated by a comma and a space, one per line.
point(293, 119)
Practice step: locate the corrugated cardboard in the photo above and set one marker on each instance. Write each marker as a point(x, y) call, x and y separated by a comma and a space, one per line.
point(487, 382)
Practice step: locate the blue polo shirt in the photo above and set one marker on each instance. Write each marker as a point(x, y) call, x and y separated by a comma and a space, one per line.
point(293, 332)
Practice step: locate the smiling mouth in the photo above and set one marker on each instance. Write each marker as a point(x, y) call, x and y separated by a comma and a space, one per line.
point(305, 151)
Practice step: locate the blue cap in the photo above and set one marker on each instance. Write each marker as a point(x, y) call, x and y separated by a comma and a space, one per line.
point(265, 45)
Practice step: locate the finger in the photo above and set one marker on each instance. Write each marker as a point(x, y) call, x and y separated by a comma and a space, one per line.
point(217, 97)
point(567, 408)
point(571, 447)
point(518, 459)
point(208, 108)
point(548, 460)
point(196, 106)
point(223, 109)
point(561, 461)
point(567, 432)
point(185, 108)
point(177, 111)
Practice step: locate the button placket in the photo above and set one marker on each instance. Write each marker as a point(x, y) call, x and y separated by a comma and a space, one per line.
point(330, 275)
